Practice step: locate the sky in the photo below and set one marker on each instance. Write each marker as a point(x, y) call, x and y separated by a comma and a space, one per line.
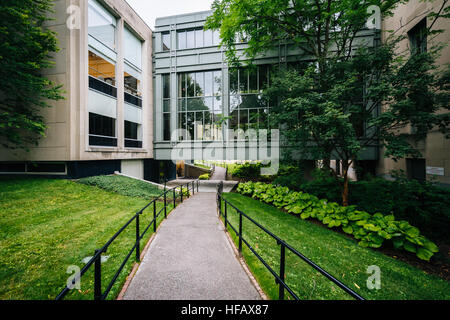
point(149, 10)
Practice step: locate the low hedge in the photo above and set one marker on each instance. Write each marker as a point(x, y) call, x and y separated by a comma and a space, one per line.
point(205, 176)
point(371, 230)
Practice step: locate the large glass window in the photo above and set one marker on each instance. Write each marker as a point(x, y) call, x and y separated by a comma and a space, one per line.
point(247, 109)
point(133, 135)
point(132, 49)
point(166, 107)
point(102, 131)
point(101, 24)
point(200, 105)
point(102, 69)
point(166, 41)
point(197, 38)
point(418, 37)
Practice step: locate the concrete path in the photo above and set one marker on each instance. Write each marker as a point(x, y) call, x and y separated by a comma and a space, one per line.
point(219, 174)
point(206, 185)
point(191, 259)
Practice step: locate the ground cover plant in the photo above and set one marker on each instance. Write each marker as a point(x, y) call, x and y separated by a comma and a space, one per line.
point(335, 252)
point(421, 204)
point(370, 230)
point(123, 185)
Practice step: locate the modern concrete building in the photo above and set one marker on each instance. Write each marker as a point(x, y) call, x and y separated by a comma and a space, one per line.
point(134, 96)
point(195, 88)
point(411, 20)
point(106, 122)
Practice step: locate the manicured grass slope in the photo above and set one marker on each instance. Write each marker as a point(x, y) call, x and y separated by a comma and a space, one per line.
point(48, 225)
point(124, 186)
point(336, 253)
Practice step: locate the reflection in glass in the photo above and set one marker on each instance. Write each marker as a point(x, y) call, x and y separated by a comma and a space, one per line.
point(216, 38)
point(208, 38)
point(190, 39)
point(182, 40)
point(243, 80)
point(200, 84)
point(217, 83)
point(101, 24)
point(182, 85)
point(166, 41)
point(190, 84)
point(199, 38)
point(208, 83)
point(253, 80)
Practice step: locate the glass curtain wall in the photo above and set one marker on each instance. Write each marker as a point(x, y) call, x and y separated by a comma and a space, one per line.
point(200, 107)
point(247, 109)
point(102, 99)
point(166, 107)
point(195, 38)
point(133, 90)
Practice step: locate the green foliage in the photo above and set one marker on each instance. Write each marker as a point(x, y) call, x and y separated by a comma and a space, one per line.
point(205, 176)
point(335, 252)
point(370, 230)
point(331, 106)
point(124, 186)
point(421, 204)
point(25, 48)
point(247, 171)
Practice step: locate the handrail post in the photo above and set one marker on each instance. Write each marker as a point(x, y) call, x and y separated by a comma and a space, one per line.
point(181, 187)
point(98, 277)
point(240, 232)
point(154, 216)
point(174, 199)
point(226, 213)
point(138, 240)
point(198, 182)
point(193, 188)
point(165, 205)
point(282, 271)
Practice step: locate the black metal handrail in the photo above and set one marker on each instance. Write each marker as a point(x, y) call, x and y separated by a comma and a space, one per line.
point(96, 259)
point(279, 278)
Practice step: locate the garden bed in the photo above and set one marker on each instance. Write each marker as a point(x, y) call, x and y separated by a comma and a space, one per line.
point(333, 251)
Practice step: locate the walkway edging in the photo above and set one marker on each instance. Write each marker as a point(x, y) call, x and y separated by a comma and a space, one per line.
point(137, 265)
point(244, 264)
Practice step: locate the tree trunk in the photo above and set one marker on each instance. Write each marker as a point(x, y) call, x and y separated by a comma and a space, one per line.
point(345, 190)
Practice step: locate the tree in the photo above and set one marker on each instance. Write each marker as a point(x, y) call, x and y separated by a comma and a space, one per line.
point(330, 109)
point(25, 48)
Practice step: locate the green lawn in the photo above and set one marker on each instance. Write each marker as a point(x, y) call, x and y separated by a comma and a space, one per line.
point(336, 253)
point(48, 225)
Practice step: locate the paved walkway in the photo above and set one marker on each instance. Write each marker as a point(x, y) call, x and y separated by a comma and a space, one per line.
point(206, 185)
point(191, 259)
point(219, 174)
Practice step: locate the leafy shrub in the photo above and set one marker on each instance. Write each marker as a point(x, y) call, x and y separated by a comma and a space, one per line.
point(421, 204)
point(205, 176)
point(247, 171)
point(370, 230)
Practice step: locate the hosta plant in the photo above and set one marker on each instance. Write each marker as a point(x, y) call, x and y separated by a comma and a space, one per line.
point(370, 230)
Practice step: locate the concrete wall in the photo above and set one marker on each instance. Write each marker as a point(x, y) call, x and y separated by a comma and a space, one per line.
point(68, 120)
point(133, 168)
point(436, 148)
point(191, 171)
